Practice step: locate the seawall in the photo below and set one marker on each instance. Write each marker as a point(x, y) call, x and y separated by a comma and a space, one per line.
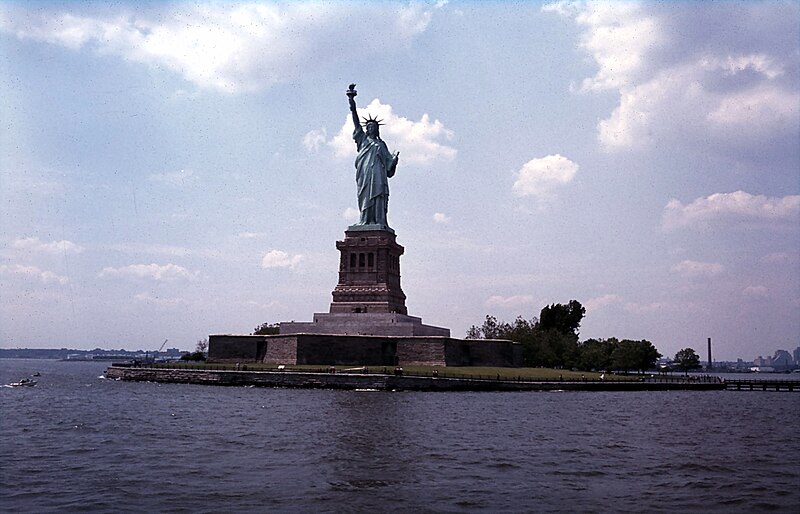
point(293, 379)
point(362, 350)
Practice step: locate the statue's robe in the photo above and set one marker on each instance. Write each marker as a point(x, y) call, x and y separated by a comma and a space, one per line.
point(374, 165)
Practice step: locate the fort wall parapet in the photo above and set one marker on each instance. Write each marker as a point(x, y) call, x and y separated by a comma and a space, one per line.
point(365, 350)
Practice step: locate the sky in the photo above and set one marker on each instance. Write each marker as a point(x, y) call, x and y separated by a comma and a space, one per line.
point(170, 170)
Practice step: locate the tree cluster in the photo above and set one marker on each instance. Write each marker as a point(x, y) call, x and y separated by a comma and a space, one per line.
point(200, 352)
point(625, 355)
point(266, 329)
point(552, 341)
point(194, 356)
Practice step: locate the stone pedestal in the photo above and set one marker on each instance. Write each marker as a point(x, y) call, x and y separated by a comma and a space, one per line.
point(364, 323)
point(368, 299)
point(369, 274)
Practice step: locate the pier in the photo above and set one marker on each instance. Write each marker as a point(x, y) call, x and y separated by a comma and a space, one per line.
point(762, 385)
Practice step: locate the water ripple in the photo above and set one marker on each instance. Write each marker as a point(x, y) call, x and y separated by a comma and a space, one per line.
point(81, 444)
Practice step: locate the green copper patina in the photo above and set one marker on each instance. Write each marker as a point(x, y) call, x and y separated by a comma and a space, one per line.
point(374, 166)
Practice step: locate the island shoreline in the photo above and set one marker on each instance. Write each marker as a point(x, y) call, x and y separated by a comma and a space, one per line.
point(388, 382)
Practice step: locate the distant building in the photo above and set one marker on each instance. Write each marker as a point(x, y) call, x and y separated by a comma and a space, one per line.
point(797, 356)
point(782, 360)
point(761, 362)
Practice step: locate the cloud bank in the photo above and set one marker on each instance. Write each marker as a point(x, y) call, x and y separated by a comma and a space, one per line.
point(35, 245)
point(686, 77)
point(228, 48)
point(157, 272)
point(32, 272)
point(738, 206)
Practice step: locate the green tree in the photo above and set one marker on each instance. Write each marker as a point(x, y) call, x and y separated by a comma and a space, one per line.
point(634, 355)
point(194, 356)
point(646, 355)
point(553, 343)
point(686, 360)
point(623, 357)
point(493, 329)
point(200, 351)
point(519, 331)
point(595, 354)
point(550, 348)
point(564, 318)
point(266, 329)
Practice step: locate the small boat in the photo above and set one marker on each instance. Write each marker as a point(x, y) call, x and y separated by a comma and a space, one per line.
point(23, 383)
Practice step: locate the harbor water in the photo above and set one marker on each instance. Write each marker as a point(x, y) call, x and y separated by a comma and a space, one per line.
point(79, 442)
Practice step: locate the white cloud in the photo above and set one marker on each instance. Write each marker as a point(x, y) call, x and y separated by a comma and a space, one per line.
point(314, 139)
point(682, 104)
point(280, 259)
point(600, 302)
point(737, 207)
point(619, 36)
point(538, 177)
point(34, 245)
point(43, 276)
point(419, 142)
point(689, 268)
point(233, 47)
point(566, 8)
point(412, 20)
point(645, 308)
point(684, 78)
point(180, 178)
point(755, 109)
point(250, 235)
point(351, 214)
point(440, 217)
point(761, 63)
point(755, 291)
point(160, 273)
point(509, 301)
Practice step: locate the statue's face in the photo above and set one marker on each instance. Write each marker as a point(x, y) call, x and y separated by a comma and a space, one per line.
point(372, 129)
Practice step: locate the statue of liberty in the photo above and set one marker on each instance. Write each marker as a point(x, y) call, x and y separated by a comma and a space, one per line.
point(374, 166)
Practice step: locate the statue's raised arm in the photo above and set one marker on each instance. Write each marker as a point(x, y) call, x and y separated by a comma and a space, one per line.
point(351, 96)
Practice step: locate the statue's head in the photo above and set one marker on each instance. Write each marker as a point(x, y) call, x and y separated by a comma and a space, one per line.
point(373, 129)
point(372, 126)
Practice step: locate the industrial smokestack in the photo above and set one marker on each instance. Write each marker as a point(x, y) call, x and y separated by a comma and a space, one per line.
point(709, 354)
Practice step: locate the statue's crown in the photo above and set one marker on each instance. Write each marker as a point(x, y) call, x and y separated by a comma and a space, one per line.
point(371, 120)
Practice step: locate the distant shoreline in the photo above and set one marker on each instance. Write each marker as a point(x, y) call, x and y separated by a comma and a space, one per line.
point(85, 355)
